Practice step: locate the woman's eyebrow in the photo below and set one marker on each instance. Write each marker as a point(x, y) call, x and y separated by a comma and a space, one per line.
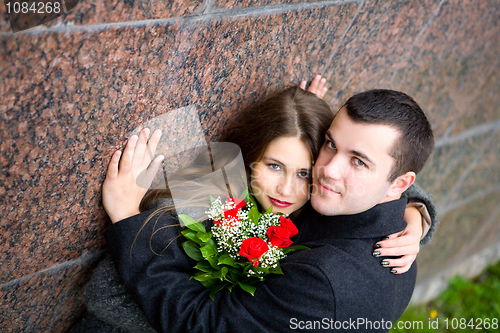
point(272, 159)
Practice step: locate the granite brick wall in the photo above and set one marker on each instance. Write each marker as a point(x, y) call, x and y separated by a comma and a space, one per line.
point(73, 88)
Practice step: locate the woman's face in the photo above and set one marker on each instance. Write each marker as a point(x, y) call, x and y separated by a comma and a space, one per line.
point(281, 178)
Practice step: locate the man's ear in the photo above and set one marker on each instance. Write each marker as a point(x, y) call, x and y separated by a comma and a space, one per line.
point(401, 184)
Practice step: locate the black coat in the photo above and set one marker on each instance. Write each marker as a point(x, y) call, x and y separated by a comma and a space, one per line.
point(336, 282)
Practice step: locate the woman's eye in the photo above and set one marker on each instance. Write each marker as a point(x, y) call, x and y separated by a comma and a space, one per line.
point(358, 162)
point(275, 167)
point(304, 174)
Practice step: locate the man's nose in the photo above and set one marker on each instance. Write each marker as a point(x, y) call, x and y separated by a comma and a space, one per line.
point(334, 169)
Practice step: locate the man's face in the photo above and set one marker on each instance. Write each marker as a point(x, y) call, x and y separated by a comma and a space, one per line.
point(353, 166)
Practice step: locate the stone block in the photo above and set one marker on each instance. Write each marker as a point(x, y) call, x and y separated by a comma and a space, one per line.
point(375, 47)
point(454, 236)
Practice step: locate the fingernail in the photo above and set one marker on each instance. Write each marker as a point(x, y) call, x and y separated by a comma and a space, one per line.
point(376, 253)
point(385, 238)
point(394, 271)
point(377, 246)
point(384, 263)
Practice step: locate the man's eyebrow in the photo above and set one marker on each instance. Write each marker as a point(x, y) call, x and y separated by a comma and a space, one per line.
point(329, 136)
point(353, 152)
point(363, 156)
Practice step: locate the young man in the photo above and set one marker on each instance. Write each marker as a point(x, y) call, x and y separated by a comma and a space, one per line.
point(376, 144)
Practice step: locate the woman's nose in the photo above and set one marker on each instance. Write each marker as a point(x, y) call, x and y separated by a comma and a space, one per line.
point(285, 187)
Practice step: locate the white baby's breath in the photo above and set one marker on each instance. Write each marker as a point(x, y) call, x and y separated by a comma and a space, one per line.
point(230, 234)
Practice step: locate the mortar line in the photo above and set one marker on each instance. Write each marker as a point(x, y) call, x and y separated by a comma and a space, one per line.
point(334, 53)
point(207, 6)
point(408, 56)
point(477, 235)
point(434, 14)
point(445, 209)
point(453, 192)
point(445, 275)
point(475, 131)
point(212, 14)
point(55, 268)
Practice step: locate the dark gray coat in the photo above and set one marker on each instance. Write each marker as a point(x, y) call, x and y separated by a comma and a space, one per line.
point(337, 280)
point(111, 309)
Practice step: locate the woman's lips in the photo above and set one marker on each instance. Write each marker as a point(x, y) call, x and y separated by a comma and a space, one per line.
point(279, 203)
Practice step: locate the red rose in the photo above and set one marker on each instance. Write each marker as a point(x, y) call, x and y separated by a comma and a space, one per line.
point(253, 248)
point(238, 202)
point(279, 236)
point(233, 212)
point(288, 224)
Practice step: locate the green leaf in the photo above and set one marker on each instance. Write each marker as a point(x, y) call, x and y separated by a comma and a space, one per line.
point(208, 250)
point(192, 223)
point(204, 277)
point(294, 248)
point(216, 288)
point(235, 277)
point(225, 259)
point(204, 266)
point(247, 287)
point(191, 235)
point(252, 200)
point(244, 195)
point(220, 274)
point(253, 215)
point(209, 284)
point(213, 262)
point(269, 210)
point(265, 270)
point(192, 250)
point(276, 270)
point(212, 199)
point(204, 236)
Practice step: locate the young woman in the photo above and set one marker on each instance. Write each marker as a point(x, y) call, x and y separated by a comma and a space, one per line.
point(279, 138)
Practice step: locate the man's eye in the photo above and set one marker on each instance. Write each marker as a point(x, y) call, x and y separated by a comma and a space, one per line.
point(330, 145)
point(304, 174)
point(359, 162)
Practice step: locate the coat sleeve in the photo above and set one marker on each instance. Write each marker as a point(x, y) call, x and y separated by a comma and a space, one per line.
point(415, 193)
point(156, 271)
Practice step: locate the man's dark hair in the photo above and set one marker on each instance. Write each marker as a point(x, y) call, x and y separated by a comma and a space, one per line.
point(400, 111)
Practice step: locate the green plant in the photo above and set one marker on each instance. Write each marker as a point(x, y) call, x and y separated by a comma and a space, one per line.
point(466, 306)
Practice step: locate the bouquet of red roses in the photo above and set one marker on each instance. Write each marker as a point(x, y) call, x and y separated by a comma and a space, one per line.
point(242, 246)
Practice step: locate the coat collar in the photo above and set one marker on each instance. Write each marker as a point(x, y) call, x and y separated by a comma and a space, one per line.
point(379, 221)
